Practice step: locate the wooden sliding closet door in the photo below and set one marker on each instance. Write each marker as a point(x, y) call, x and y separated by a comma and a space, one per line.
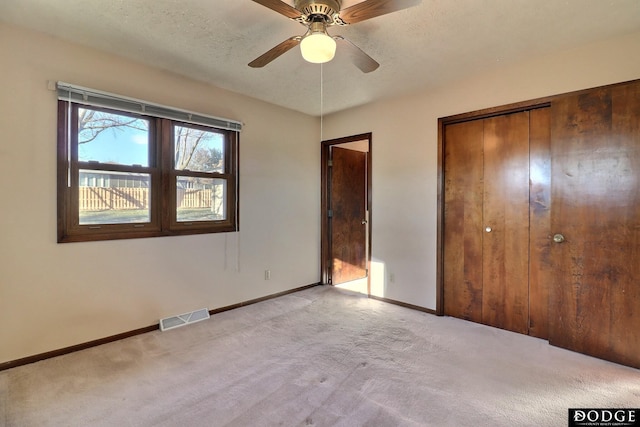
point(505, 248)
point(541, 224)
point(540, 263)
point(486, 210)
point(463, 191)
point(595, 294)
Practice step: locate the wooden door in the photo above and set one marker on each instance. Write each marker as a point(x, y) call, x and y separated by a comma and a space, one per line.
point(486, 210)
point(462, 237)
point(540, 265)
point(505, 242)
point(595, 294)
point(348, 191)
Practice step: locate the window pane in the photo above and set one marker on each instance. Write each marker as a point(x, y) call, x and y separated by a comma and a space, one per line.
point(200, 199)
point(112, 138)
point(198, 150)
point(103, 200)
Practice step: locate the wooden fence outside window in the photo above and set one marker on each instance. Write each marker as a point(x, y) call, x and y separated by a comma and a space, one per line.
point(109, 198)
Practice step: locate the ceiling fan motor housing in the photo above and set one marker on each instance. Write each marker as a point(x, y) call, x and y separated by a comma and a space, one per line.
point(314, 8)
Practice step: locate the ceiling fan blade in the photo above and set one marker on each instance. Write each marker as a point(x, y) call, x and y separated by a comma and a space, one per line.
point(280, 7)
point(371, 8)
point(272, 54)
point(364, 62)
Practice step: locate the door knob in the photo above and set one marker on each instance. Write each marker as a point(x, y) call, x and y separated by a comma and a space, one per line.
point(364, 221)
point(558, 238)
point(488, 229)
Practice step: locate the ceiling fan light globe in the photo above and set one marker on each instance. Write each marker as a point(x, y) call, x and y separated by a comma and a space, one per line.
point(318, 48)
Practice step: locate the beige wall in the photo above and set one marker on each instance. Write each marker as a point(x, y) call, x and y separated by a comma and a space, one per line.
point(57, 295)
point(405, 151)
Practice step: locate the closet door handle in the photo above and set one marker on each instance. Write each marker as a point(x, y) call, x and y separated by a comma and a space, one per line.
point(488, 229)
point(558, 238)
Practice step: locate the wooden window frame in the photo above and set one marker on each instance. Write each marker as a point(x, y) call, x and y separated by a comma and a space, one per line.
point(163, 211)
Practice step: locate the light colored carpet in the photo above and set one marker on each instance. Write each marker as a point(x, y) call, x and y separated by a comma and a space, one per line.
point(320, 357)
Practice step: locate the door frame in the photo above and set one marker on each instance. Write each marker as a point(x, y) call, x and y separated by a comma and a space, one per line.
point(325, 237)
point(442, 123)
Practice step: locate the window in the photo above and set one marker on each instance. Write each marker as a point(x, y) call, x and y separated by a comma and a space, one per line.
point(124, 174)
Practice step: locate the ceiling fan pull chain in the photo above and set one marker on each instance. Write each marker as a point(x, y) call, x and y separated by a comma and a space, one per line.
point(321, 101)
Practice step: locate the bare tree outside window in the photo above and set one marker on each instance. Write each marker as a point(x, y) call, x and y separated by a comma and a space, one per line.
point(198, 150)
point(93, 122)
point(195, 149)
point(199, 198)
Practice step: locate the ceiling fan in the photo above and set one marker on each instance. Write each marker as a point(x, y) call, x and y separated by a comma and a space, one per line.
point(316, 45)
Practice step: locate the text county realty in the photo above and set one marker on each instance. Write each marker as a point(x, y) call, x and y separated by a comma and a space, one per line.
point(618, 417)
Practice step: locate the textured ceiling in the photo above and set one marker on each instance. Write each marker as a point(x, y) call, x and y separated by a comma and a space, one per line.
point(426, 46)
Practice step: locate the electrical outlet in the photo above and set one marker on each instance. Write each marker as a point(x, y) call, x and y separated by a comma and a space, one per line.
point(392, 277)
point(267, 274)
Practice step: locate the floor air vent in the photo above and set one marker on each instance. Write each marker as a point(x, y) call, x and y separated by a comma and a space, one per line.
point(183, 319)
